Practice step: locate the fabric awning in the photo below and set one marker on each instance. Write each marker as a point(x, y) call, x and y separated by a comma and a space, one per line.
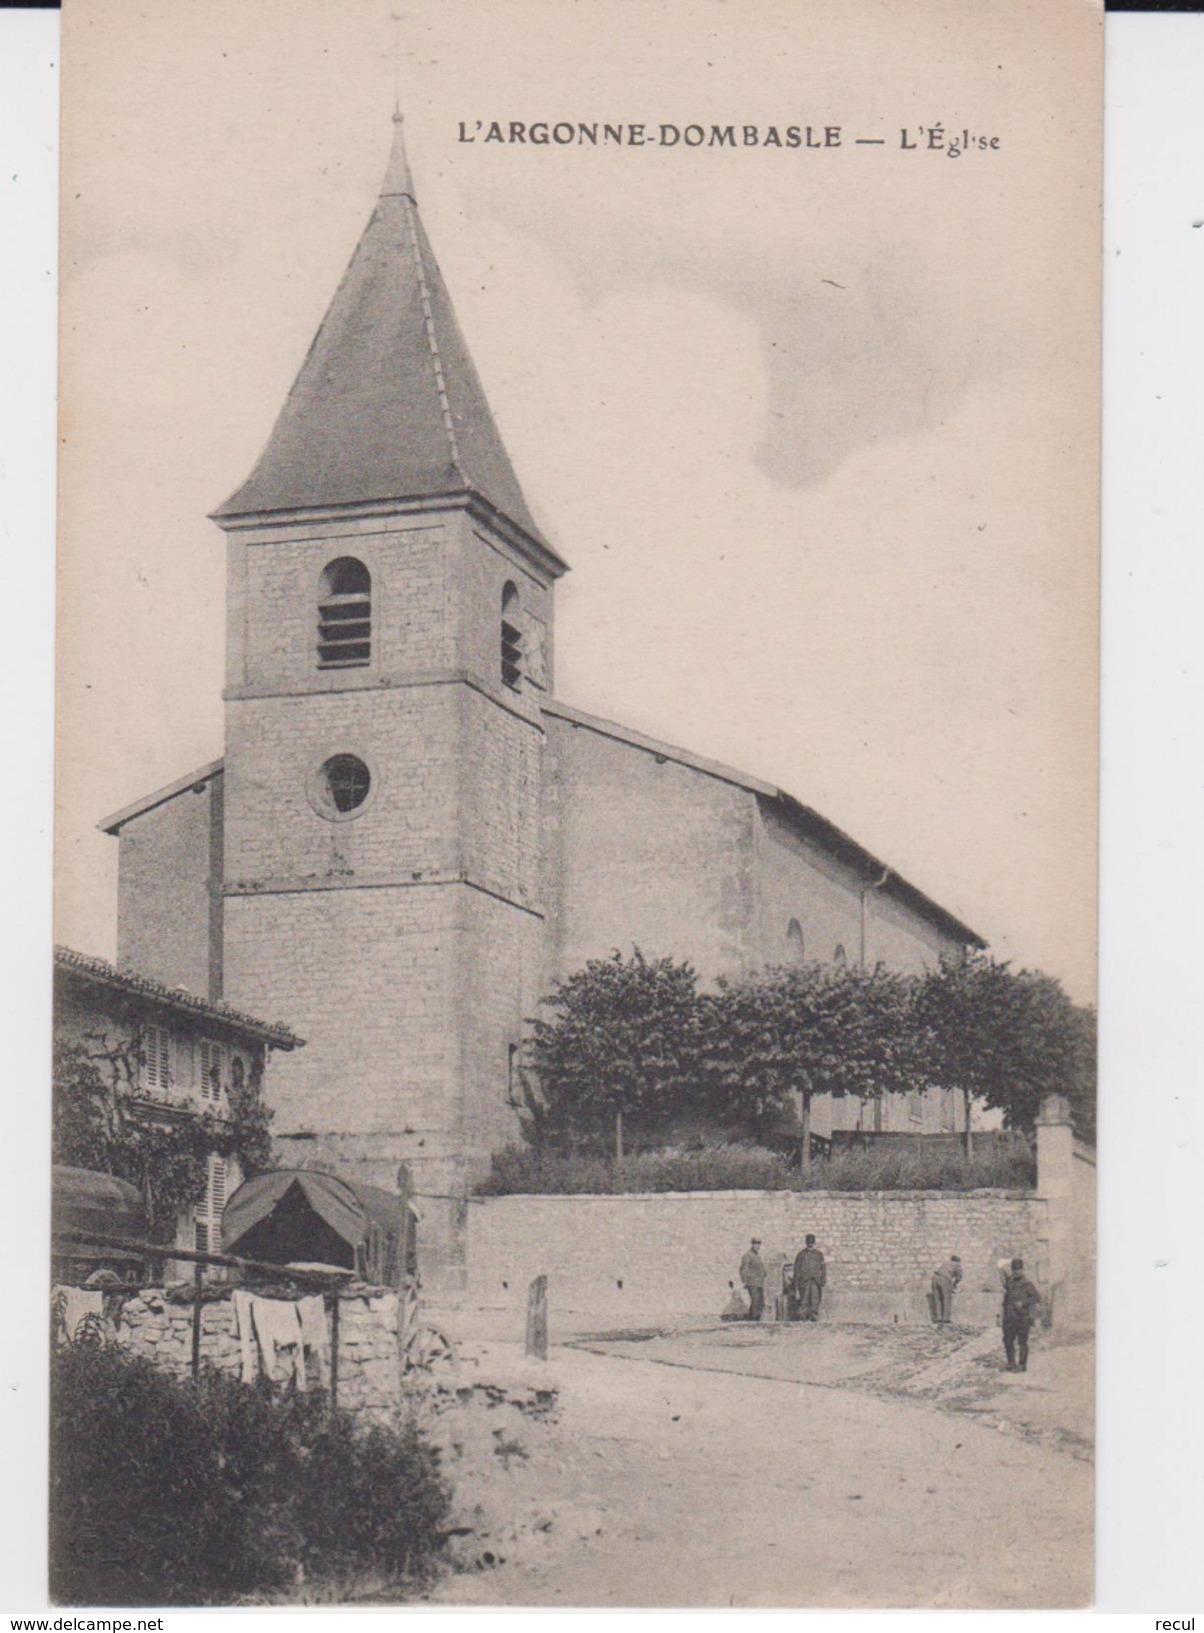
point(297, 1214)
point(83, 1200)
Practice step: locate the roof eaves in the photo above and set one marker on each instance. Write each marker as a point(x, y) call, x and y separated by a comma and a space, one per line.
point(98, 971)
point(663, 751)
point(113, 824)
point(814, 826)
point(531, 543)
point(849, 850)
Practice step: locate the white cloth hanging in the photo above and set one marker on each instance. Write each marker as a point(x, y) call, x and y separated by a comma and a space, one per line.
point(246, 1335)
point(278, 1328)
point(312, 1314)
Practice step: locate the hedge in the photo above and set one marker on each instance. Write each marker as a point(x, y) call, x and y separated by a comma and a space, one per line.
point(209, 1492)
point(524, 1171)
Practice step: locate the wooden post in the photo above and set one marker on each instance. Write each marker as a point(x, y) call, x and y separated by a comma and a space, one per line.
point(334, 1352)
point(619, 1135)
point(805, 1119)
point(968, 1138)
point(537, 1318)
point(197, 1272)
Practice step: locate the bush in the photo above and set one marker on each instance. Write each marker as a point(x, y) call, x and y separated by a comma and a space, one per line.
point(520, 1171)
point(1005, 1164)
point(169, 1492)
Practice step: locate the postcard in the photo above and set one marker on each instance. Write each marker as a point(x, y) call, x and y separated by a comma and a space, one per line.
point(577, 690)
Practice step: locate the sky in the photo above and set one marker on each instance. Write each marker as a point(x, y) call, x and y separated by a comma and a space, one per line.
point(816, 429)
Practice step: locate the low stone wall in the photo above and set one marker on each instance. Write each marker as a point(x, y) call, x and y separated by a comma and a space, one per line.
point(642, 1258)
point(370, 1366)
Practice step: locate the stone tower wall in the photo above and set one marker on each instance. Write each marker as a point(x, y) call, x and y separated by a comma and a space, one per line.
point(401, 940)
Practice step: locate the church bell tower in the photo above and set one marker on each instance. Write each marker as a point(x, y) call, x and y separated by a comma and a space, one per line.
point(389, 647)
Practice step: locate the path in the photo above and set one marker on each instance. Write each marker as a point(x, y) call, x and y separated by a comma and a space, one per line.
point(674, 1482)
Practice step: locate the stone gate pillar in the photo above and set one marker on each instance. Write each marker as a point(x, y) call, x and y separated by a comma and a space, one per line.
point(1055, 1183)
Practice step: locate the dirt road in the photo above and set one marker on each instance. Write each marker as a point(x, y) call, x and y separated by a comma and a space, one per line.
point(678, 1481)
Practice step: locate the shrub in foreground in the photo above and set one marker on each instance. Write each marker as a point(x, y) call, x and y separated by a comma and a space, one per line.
point(523, 1171)
point(171, 1492)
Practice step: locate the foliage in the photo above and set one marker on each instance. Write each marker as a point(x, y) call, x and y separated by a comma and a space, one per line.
point(929, 1165)
point(622, 1039)
point(100, 1122)
point(371, 1498)
point(169, 1492)
point(636, 1036)
point(885, 1166)
point(1007, 1038)
point(520, 1170)
point(811, 1029)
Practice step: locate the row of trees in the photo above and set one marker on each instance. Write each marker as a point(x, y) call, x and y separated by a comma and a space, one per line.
point(632, 1043)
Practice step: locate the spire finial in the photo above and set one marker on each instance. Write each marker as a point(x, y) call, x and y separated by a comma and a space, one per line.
point(398, 18)
point(398, 182)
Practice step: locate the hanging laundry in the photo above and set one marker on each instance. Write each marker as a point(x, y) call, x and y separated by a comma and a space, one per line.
point(245, 1322)
point(275, 1326)
point(312, 1314)
point(278, 1328)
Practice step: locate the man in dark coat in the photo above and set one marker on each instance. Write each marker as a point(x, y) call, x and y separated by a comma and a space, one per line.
point(1021, 1306)
point(810, 1275)
point(752, 1274)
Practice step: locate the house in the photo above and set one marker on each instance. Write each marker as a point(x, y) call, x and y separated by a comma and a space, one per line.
point(409, 838)
point(167, 1059)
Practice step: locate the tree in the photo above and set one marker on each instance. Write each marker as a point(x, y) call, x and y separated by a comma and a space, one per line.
point(1008, 1037)
point(789, 1034)
point(621, 1045)
point(99, 1122)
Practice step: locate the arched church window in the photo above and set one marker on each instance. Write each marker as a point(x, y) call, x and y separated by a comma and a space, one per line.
point(345, 615)
point(512, 638)
point(840, 958)
point(795, 949)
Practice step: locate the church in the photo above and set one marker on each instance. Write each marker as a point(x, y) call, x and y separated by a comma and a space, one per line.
point(409, 839)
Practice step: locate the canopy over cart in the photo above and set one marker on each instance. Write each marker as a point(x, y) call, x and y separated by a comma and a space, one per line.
point(300, 1216)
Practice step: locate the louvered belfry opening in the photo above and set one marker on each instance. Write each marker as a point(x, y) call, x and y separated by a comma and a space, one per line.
point(345, 615)
point(512, 639)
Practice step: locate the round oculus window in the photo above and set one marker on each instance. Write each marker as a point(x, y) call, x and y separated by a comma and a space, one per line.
point(344, 783)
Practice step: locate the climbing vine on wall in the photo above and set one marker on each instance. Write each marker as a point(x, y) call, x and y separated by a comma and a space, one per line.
point(101, 1122)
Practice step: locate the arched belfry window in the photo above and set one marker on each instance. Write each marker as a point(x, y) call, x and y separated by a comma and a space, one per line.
point(840, 957)
point(512, 638)
point(795, 950)
point(345, 615)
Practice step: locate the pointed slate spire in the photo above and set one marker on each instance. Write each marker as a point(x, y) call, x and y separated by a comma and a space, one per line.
point(387, 404)
point(398, 182)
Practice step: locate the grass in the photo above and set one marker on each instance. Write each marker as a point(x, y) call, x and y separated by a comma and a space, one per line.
point(521, 1171)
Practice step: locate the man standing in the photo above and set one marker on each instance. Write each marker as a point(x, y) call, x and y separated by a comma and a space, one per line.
point(810, 1274)
point(752, 1274)
point(944, 1285)
point(1021, 1306)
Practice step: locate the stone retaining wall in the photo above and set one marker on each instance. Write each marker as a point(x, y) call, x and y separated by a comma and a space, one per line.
point(643, 1258)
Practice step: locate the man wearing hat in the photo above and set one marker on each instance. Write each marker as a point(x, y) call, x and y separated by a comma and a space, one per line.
point(810, 1278)
point(1021, 1306)
point(752, 1274)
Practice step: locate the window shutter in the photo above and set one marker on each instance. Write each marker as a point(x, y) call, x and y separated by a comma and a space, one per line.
point(156, 1051)
point(211, 1070)
point(217, 1186)
point(209, 1214)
